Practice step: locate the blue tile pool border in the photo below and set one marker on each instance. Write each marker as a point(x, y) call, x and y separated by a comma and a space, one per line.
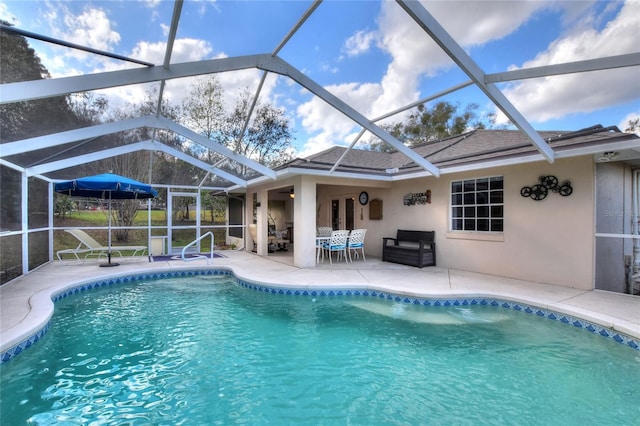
point(570, 320)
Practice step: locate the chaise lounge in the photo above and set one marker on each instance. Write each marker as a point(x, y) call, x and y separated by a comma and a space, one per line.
point(90, 247)
point(413, 248)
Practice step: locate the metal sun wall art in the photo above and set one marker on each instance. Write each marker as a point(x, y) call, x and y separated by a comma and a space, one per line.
point(539, 191)
point(417, 198)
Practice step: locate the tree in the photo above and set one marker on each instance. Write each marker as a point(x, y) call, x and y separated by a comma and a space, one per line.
point(204, 109)
point(633, 126)
point(27, 119)
point(135, 165)
point(63, 206)
point(22, 120)
point(267, 137)
point(394, 129)
point(88, 107)
point(442, 120)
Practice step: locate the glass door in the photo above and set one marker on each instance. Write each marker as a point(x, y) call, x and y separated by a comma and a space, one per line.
point(335, 214)
point(349, 213)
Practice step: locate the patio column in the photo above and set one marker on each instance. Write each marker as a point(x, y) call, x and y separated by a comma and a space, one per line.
point(304, 217)
point(262, 233)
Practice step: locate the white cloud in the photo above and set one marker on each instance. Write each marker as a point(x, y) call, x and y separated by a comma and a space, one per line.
point(237, 81)
point(549, 98)
point(624, 123)
point(474, 23)
point(330, 125)
point(359, 43)
point(8, 16)
point(92, 28)
point(414, 56)
point(165, 29)
point(152, 3)
point(330, 69)
point(190, 50)
point(184, 50)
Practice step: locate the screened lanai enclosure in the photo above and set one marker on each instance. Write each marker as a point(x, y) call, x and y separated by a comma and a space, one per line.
point(204, 126)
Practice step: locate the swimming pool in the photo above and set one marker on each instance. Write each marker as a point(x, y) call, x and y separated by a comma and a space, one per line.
point(203, 351)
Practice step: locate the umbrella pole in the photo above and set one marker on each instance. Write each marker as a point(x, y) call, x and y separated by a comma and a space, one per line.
point(108, 264)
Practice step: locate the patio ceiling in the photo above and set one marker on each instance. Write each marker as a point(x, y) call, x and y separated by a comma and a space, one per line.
point(29, 155)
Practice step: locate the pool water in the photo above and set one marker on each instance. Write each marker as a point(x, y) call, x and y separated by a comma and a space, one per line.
point(203, 351)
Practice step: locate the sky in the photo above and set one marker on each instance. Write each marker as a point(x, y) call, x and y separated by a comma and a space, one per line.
point(370, 54)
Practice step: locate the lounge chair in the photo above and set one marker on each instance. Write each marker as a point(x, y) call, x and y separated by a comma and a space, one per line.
point(90, 247)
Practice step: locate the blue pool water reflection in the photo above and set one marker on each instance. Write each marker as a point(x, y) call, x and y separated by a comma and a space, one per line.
point(202, 350)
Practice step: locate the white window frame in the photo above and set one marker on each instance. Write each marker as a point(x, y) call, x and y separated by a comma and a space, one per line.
point(491, 204)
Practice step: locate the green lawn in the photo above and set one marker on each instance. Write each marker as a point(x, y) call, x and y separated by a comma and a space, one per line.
point(99, 217)
point(95, 218)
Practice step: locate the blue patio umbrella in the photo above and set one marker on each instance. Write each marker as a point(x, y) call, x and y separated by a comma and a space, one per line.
point(108, 186)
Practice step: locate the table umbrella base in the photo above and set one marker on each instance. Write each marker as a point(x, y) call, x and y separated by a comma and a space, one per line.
point(109, 264)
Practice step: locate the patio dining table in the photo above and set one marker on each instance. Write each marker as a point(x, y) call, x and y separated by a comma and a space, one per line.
point(319, 241)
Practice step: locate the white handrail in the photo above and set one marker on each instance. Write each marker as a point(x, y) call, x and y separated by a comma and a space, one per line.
point(184, 249)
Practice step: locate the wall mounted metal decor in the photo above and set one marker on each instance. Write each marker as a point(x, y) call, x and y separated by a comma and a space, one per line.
point(417, 198)
point(540, 190)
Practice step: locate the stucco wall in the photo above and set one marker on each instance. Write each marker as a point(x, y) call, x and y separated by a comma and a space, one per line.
point(548, 241)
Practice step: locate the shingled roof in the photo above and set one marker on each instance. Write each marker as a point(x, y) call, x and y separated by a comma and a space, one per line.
point(475, 149)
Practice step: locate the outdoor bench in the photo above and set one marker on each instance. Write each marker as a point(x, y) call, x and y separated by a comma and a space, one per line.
point(414, 248)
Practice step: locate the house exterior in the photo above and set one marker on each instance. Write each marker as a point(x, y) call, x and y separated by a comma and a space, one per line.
point(490, 209)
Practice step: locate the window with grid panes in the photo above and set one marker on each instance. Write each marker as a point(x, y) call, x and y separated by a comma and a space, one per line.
point(477, 204)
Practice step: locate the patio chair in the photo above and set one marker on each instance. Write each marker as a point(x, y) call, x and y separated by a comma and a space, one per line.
point(338, 243)
point(324, 231)
point(282, 239)
point(355, 243)
point(90, 247)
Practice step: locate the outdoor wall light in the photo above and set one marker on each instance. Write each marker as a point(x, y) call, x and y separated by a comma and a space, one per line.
point(608, 156)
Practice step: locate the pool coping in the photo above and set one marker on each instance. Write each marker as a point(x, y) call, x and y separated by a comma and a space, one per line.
point(36, 324)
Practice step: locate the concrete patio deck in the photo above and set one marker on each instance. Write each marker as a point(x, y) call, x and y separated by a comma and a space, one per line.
point(26, 303)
